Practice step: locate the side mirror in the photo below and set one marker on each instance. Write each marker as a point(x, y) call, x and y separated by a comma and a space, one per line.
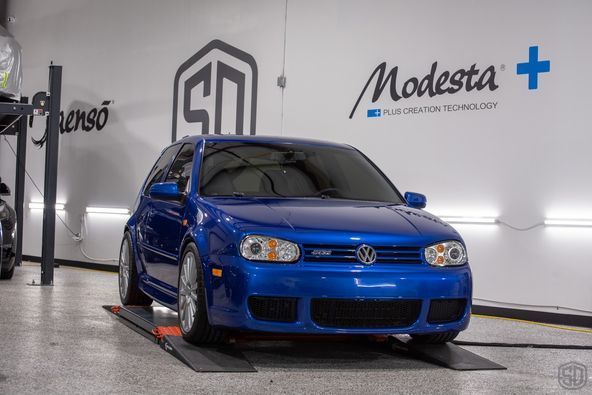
point(165, 191)
point(416, 200)
point(4, 190)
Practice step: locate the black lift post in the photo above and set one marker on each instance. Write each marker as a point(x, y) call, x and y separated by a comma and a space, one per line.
point(13, 121)
point(19, 194)
point(51, 174)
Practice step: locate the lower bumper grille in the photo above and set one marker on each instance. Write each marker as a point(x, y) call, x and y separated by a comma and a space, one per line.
point(446, 310)
point(365, 313)
point(269, 308)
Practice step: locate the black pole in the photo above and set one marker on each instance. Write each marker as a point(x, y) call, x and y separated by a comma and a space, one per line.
point(51, 175)
point(19, 195)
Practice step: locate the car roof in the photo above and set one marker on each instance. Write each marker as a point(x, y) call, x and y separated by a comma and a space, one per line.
point(258, 139)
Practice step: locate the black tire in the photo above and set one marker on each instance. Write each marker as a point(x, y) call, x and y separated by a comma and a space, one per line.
point(435, 338)
point(7, 274)
point(133, 295)
point(201, 331)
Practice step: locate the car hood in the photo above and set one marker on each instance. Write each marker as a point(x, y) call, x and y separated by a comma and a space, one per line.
point(314, 217)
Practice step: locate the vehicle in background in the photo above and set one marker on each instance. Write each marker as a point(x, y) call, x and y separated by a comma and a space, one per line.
point(7, 233)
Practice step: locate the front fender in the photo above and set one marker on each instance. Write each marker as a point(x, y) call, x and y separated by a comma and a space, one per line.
point(214, 238)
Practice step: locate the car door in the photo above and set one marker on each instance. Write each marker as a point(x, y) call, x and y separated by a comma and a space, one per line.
point(144, 233)
point(165, 220)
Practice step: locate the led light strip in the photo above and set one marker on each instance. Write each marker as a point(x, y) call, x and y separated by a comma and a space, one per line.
point(107, 210)
point(568, 222)
point(558, 222)
point(469, 220)
point(41, 206)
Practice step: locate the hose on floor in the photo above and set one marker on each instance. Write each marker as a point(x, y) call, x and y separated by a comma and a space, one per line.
point(528, 345)
point(561, 327)
point(523, 345)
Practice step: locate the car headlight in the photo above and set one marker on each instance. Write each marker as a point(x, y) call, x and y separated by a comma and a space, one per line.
point(447, 253)
point(271, 249)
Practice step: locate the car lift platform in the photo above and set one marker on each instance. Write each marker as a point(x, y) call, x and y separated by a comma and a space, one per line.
point(159, 324)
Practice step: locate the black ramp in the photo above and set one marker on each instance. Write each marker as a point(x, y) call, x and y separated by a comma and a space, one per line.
point(228, 358)
point(144, 320)
point(207, 359)
point(448, 355)
point(149, 318)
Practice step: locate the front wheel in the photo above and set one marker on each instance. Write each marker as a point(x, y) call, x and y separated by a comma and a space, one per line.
point(129, 292)
point(435, 338)
point(191, 302)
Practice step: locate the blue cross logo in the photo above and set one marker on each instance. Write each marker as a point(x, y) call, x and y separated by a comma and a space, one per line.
point(374, 112)
point(533, 67)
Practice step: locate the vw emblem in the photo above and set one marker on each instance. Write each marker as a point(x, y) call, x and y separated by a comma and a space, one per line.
point(366, 254)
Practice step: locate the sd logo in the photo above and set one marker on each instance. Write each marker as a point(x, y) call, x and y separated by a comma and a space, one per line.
point(215, 87)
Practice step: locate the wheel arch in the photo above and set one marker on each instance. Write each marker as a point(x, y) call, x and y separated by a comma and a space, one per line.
point(127, 228)
point(199, 240)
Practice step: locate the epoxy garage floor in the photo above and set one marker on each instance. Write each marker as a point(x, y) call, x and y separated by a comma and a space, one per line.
point(60, 340)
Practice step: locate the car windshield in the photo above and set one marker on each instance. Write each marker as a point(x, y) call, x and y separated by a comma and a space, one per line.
point(291, 170)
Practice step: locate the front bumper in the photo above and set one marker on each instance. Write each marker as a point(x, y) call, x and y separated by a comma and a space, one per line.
point(228, 295)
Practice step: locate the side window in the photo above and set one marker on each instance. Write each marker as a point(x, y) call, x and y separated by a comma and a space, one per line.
point(159, 167)
point(180, 171)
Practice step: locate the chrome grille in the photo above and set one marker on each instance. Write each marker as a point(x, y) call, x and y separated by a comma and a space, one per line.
point(347, 253)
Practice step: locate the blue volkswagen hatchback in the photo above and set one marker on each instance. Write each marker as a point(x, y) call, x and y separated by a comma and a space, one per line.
point(290, 236)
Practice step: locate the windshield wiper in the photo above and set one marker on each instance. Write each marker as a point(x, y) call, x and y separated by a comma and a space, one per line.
point(238, 194)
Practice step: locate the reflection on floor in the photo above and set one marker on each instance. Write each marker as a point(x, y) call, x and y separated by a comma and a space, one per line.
point(59, 339)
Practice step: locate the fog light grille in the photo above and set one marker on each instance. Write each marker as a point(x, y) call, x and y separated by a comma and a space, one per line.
point(269, 308)
point(446, 310)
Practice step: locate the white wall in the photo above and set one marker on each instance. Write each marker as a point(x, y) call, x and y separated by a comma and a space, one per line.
point(527, 159)
point(127, 52)
point(524, 160)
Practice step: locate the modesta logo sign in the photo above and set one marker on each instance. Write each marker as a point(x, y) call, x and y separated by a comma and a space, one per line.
point(439, 82)
point(215, 91)
point(434, 83)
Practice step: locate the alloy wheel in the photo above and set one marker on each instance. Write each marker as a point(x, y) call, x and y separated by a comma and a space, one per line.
point(124, 269)
point(188, 292)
